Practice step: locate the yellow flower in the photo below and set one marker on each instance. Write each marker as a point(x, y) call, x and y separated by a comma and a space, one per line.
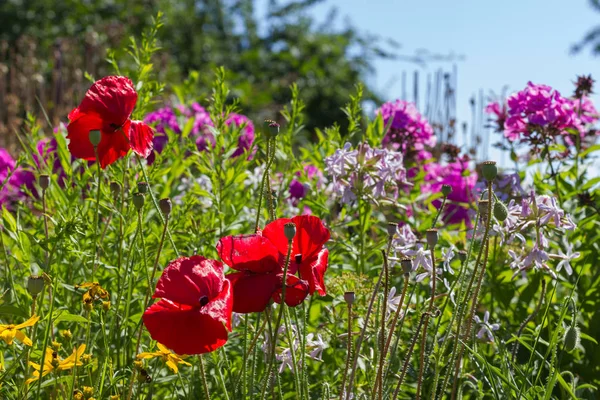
point(94, 292)
point(52, 362)
point(9, 332)
point(167, 356)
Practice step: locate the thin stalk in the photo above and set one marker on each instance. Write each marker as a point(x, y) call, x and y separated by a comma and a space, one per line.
point(529, 318)
point(429, 311)
point(439, 212)
point(382, 338)
point(97, 215)
point(45, 212)
point(288, 323)
point(203, 377)
point(348, 352)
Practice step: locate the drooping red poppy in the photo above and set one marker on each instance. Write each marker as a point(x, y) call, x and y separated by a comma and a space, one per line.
point(260, 276)
point(308, 255)
point(193, 314)
point(107, 107)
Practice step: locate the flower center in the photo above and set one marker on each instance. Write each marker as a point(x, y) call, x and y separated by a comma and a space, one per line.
point(298, 258)
point(203, 301)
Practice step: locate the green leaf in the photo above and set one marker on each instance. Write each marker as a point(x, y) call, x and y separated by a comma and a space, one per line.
point(12, 310)
point(64, 316)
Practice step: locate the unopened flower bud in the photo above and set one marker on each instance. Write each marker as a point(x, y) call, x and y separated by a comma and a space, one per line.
point(271, 128)
point(95, 137)
point(165, 206)
point(115, 397)
point(137, 364)
point(462, 255)
point(44, 181)
point(88, 306)
point(88, 391)
point(446, 190)
point(35, 285)
point(489, 170)
point(571, 338)
point(138, 201)
point(86, 358)
point(407, 265)
point(77, 395)
point(106, 305)
point(55, 345)
point(289, 230)
point(142, 187)
point(500, 211)
point(392, 227)
point(66, 334)
point(432, 237)
point(349, 297)
point(115, 188)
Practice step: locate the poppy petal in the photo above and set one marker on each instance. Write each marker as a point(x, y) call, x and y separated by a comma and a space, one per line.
point(113, 98)
point(274, 231)
point(295, 292)
point(252, 292)
point(140, 138)
point(113, 145)
point(310, 237)
point(183, 329)
point(313, 271)
point(221, 307)
point(253, 253)
point(79, 133)
point(187, 279)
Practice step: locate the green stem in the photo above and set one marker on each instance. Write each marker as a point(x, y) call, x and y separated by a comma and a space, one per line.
point(426, 324)
point(203, 377)
point(343, 394)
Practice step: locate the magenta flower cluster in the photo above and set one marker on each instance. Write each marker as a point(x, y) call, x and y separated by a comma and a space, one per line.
point(14, 182)
point(371, 173)
point(175, 119)
point(408, 130)
point(540, 108)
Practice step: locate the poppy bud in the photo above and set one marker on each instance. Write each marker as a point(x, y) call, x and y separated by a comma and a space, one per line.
point(571, 338)
point(406, 264)
point(446, 190)
point(349, 297)
point(432, 237)
point(271, 128)
point(44, 181)
point(138, 201)
point(289, 230)
point(489, 170)
point(483, 209)
point(165, 206)
point(391, 228)
point(95, 137)
point(462, 255)
point(500, 211)
point(35, 285)
point(142, 187)
point(115, 188)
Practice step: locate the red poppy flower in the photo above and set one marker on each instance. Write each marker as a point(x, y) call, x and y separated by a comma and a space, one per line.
point(260, 276)
point(194, 312)
point(107, 107)
point(308, 256)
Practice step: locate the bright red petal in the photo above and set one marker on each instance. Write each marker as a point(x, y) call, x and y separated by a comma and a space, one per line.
point(252, 292)
point(295, 292)
point(187, 279)
point(114, 145)
point(79, 131)
point(220, 307)
point(113, 98)
point(310, 237)
point(249, 253)
point(274, 231)
point(313, 271)
point(140, 138)
point(183, 329)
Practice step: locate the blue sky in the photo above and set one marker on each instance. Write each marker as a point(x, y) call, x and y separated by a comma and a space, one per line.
point(503, 42)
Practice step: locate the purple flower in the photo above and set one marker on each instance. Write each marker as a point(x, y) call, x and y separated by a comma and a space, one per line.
point(409, 131)
point(246, 127)
point(486, 329)
point(565, 259)
point(13, 188)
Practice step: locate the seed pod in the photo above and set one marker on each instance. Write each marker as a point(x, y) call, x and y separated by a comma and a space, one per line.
point(571, 338)
point(271, 128)
point(35, 285)
point(432, 237)
point(407, 265)
point(349, 297)
point(289, 230)
point(138, 201)
point(500, 211)
point(115, 188)
point(142, 187)
point(446, 190)
point(462, 255)
point(44, 181)
point(95, 137)
point(489, 170)
point(165, 206)
point(391, 228)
